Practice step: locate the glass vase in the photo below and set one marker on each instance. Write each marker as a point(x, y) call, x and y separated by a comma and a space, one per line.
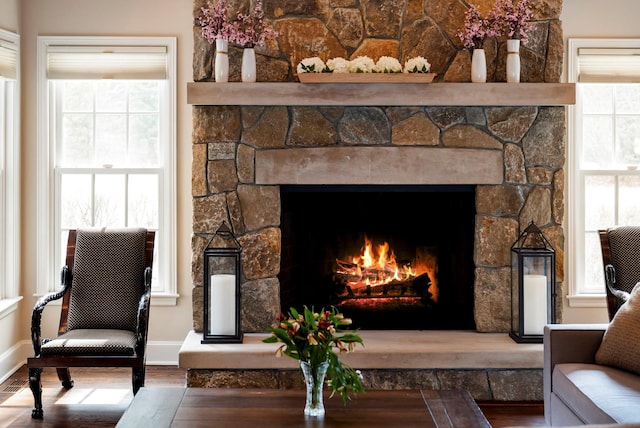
point(314, 380)
point(248, 65)
point(513, 61)
point(478, 66)
point(221, 64)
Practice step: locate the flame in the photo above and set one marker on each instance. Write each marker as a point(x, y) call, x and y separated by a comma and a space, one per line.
point(377, 266)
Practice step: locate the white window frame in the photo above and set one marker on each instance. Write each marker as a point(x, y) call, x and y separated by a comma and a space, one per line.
point(575, 258)
point(9, 182)
point(165, 293)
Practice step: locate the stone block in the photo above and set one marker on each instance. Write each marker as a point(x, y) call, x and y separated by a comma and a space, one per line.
point(261, 253)
point(309, 127)
point(516, 385)
point(474, 381)
point(260, 206)
point(260, 304)
point(416, 130)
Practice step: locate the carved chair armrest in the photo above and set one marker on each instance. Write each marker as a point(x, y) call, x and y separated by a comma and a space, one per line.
point(143, 315)
point(610, 281)
point(36, 316)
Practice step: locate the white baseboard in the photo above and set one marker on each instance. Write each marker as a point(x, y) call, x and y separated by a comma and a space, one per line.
point(13, 358)
point(158, 354)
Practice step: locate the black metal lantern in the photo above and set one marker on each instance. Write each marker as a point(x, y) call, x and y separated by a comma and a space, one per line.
point(533, 286)
point(222, 288)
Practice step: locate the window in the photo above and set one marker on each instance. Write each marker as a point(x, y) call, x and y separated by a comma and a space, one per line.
point(9, 202)
point(108, 145)
point(604, 155)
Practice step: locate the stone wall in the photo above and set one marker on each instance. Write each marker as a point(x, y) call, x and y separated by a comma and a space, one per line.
point(226, 138)
point(489, 384)
point(398, 28)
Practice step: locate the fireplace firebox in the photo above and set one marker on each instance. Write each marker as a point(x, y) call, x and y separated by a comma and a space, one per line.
point(389, 257)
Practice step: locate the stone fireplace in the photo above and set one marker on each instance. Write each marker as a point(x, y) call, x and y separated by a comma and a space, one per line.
point(528, 141)
point(513, 156)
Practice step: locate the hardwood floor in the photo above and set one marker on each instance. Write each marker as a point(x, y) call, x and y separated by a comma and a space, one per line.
point(100, 397)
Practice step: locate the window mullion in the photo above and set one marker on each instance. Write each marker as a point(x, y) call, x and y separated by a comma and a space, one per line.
point(94, 116)
point(126, 199)
point(616, 188)
point(93, 200)
point(128, 124)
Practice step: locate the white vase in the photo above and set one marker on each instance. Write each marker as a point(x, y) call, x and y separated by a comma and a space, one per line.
point(249, 65)
point(221, 64)
point(478, 66)
point(513, 61)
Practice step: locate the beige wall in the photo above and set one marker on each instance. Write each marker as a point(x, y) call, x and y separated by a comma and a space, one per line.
point(9, 15)
point(598, 18)
point(169, 325)
point(99, 18)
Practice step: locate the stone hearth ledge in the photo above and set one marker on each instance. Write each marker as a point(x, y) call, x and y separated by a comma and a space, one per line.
point(383, 350)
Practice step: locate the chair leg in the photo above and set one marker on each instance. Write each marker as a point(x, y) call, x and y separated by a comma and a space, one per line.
point(65, 377)
point(137, 378)
point(36, 389)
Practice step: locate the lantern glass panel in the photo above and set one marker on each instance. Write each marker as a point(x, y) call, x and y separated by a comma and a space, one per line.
point(222, 297)
point(516, 280)
point(535, 294)
point(534, 264)
point(532, 288)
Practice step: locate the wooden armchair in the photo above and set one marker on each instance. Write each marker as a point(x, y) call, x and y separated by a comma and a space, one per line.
point(621, 259)
point(106, 290)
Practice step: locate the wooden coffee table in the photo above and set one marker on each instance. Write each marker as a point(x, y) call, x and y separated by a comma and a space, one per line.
point(265, 408)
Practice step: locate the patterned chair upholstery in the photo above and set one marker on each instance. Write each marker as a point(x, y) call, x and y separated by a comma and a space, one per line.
point(621, 259)
point(106, 288)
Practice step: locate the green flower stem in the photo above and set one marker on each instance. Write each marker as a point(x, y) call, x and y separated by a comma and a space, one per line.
point(312, 337)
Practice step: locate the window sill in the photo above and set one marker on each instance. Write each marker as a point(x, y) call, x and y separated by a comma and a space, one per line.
point(8, 306)
point(164, 299)
point(587, 301)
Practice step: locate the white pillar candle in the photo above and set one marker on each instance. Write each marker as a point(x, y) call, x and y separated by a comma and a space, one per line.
point(222, 315)
point(535, 303)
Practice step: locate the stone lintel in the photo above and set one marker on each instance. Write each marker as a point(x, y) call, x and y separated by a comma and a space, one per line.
point(379, 165)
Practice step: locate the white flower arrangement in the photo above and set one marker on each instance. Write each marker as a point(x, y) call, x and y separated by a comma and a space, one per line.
point(417, 65)
point(361, 64)
point(338, 65)
point(311, 65)
point(387, 64)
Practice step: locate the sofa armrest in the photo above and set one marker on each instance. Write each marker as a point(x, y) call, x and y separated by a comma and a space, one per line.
point(568, 343)
point(572, 343)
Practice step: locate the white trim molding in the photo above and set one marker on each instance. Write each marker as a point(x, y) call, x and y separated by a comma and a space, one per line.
point(583, 292)
point(165, 290)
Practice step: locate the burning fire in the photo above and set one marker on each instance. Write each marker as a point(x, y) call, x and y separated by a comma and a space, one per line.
point(380, 267)
point(377, 266)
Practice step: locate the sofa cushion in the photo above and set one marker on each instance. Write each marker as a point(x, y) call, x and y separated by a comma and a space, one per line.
point(620, 345)
point(598, 394)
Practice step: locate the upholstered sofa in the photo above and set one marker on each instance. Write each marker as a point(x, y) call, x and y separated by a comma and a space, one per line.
point(577, 390)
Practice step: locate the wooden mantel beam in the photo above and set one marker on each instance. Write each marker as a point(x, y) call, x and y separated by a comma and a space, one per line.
point(381, 94)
